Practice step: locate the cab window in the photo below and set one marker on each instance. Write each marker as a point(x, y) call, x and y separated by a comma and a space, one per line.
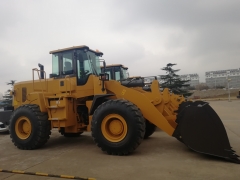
point(83, 67)
point(55, 65)
point(67, 63)
point(117, 76)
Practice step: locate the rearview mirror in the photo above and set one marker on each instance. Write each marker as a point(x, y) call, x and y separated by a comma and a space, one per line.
point(104, 77)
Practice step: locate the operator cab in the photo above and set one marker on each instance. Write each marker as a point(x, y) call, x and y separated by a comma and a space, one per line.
point(76, 61)
point(116, 72)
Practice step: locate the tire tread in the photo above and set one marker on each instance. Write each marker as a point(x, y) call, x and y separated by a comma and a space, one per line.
point(43, 128)
point(137, 116)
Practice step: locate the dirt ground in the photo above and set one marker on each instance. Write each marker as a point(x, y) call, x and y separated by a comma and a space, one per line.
point(214, 93)
point(159, 157)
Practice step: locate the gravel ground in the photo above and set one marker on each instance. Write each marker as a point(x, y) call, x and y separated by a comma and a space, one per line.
point(214, 93)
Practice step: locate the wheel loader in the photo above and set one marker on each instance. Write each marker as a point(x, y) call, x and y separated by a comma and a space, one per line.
point(78, 97)
point(116, 71)
point(119, 72)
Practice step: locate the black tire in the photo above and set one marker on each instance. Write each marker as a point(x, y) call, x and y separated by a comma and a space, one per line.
point(40, 127)
point(8, 108)
point(150, 129)
point(124, 112)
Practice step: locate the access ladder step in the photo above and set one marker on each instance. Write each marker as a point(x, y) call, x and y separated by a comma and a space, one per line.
point(57, 119)
point(55, 107)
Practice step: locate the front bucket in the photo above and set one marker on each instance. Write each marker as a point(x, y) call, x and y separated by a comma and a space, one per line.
point(201, 129)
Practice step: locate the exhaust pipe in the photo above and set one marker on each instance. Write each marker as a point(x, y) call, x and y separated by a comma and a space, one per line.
point(41, 70)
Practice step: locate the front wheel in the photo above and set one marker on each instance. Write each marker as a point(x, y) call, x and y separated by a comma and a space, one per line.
point(118, 127)
point(29, 127)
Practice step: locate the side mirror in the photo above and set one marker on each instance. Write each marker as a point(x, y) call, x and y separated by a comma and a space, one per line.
point(104, 77)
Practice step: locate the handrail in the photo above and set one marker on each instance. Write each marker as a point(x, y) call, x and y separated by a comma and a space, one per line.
point(35, 69)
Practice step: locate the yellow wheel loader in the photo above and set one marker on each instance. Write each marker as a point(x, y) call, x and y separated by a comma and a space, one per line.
point(77, 97)
point(119, 72)
point(116, 71)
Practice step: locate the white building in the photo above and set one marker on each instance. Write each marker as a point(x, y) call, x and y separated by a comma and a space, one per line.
point(148, 80)
point(194, 79)
point(221, 78)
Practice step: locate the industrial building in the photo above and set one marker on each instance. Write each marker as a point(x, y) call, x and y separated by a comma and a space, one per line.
point(193, 79)
point(223, 78)
point(148, 80)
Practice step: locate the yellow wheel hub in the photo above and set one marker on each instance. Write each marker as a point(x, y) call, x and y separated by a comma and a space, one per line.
point(23, 127)
point(114, 128)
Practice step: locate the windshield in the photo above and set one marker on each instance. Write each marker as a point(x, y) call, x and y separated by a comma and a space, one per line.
point(125, 73)
point(117, 73)
point(65, 62)
point(87, 63)
point(94, 62)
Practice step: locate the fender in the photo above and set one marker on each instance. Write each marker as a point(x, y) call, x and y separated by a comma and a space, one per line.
point(97, 100)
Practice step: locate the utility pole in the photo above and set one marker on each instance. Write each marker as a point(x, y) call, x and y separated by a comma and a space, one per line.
point(215, 82)
point(228, 80)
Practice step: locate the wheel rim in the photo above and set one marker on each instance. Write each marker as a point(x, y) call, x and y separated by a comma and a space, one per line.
point(23, 127)
point(114, 127)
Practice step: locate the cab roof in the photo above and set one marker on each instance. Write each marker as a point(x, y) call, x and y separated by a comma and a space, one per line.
point(116, 65)
point(76, 47)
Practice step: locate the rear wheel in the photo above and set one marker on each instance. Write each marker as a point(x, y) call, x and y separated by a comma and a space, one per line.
point(118, 127)
point(29, 127)
point(150, 129)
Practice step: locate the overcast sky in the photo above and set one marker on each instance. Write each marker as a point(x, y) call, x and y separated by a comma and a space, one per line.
point(144, 35)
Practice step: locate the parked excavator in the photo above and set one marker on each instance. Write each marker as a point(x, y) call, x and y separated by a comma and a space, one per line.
point(78, 97)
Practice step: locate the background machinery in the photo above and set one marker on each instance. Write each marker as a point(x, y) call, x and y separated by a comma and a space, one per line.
point(120, 73)
point(116, 71)
point(77, 97)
